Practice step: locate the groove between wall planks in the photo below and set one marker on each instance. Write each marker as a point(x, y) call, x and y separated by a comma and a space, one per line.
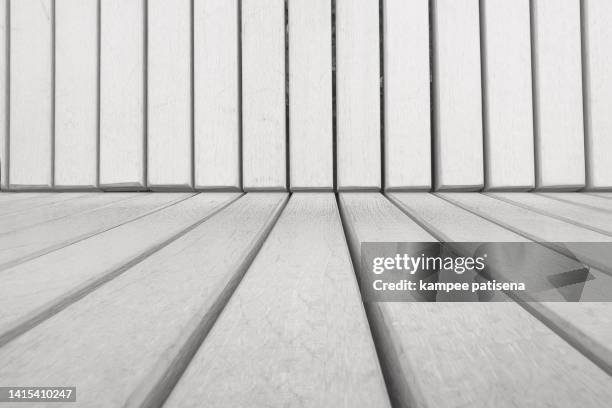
point(584, 325)
point(557, 74)
point(424, 370)
point(60, 278)
point(300, 286)
point(117, 333)
point(457, 94)
point(310, 95)
point(122, 94)
point(169, 129)
point(76, 94)
point(358, 94)
point(31, 94)
point(4, 91)
point(597, 66)
point(216, 94)
point(407, 95)
point(263, 95)
point(507, 94)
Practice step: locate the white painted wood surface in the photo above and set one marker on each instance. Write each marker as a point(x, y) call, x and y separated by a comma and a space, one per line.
point(122, 94)
point(597, 66)
point(607, 196)
point(25, 244)
point(35, 290)
point(586, 200)
point(117, 334)
point(216, 94)
point(586, 325)
point(31, 94)
point(594, 219)
point(457, 95)
point(303, 329)
point(507, 94)
point(169, 128)
point(263, 95)
point(8, 209)
point(310, 95)
point(358, 95)
point(76, 93)
point(14, 196)
point(559, 136)
point(34, 216)
point(407, 100)
point(426, 367)
point(4, 62)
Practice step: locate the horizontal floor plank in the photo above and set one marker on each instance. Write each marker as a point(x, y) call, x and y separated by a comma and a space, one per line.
point(295, 332)
point(108, 340)
point(19, 206)
point(586, 200)
point(428, 349)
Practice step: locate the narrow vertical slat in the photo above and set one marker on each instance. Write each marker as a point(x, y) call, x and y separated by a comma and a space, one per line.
point(310, 95)
point(263, 94)
point(216, 94)
point(358, 94)
point(76, 93)
point(597, 57)
point(169, 129)
point(407, 100)
point(31, 110)
point(457, 95)
point(122, 94)
point(4, 58)
point(507, 96)
point(557, 73)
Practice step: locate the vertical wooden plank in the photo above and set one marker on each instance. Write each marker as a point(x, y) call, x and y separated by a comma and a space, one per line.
point(457, 95)
point(597, 58)
point(507, 94)
point(310, 95)
point(169, 129)
point(4, 58)
point(358, 94)
point(263, 94)
point(216, 94)
point(407, 101)
point(31, 110)
point(76, 93)
point(122, 94)
point(556, 54)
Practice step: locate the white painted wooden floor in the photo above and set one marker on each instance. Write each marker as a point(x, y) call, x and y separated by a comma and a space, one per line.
point(251, 300)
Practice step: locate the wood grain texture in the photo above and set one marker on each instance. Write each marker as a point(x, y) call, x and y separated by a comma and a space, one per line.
point(358, 95)
point(38, 289)
point(169, 128)
point(216, 94)
point(43, 201)
point(263, 95)
point(4, 89)
point(586, 200)
point(59, 209)
point(593, 219)
point(122, 94)
point(25, 244)
point(557, 69)
point(407, 100)
point(31, 94)
point(425, 369)
point(15, 196)
point(507, 94)
point(76, 93)
point(586, 325)
point(597, 66)
point(184, 285)
point(310, 95)
point(540, 228)
point(457, 94)
point(303, 337)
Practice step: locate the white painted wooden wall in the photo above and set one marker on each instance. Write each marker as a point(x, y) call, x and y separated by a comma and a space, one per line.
point(305, 94)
